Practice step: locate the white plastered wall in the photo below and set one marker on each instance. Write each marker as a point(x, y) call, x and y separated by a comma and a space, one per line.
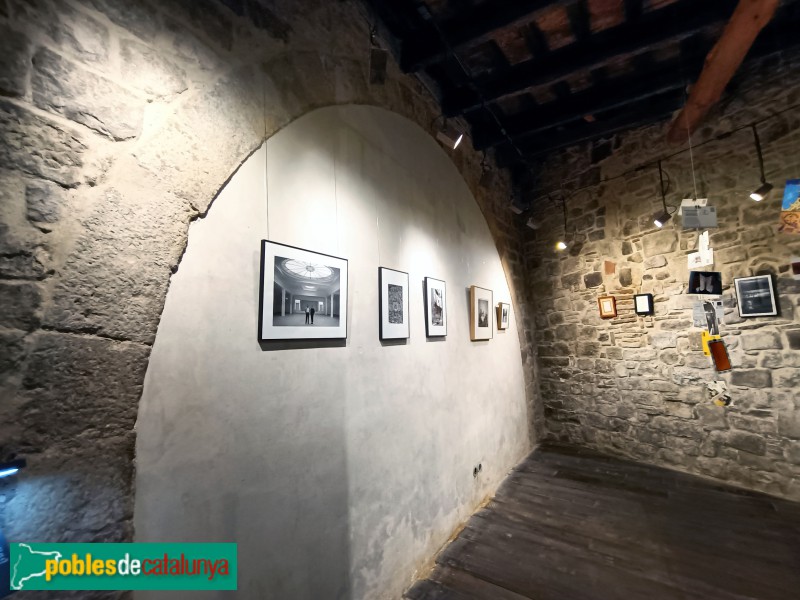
point(338, 470)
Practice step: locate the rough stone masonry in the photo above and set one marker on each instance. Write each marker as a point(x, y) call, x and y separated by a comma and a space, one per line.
point(119, 123)
point(636, 386)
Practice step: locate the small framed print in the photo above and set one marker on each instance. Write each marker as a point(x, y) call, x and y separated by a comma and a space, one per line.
point(302, 295)
point(756, 296)
point(608, 307)
point(435, 307)
point(480, 313)
point(643, 304)
point(705, 282)
point(393, 304)
point(503, 314)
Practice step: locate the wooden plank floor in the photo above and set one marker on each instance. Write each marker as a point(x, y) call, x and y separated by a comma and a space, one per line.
point(571, 525)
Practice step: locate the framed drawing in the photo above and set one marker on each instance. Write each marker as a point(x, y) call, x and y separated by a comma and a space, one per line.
point(435, 307)
point(705, 282)
point(393, 304)
point(480, 313)
point(643, 304)
point(303, 294)
point(608, 307)
point(756, 296)
point(503, 314)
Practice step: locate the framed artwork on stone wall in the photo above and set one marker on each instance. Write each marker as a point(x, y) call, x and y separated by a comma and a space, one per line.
point(755, 296)
point(503, 315)
point(435, 307)
point(608, 307)
point(393, 304)
point(643, 304)
point(705, 282)
point(480, 313)
point(302, 294)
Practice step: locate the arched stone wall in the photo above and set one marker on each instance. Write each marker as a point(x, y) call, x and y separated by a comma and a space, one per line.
point(339, 471)
point(120, 122)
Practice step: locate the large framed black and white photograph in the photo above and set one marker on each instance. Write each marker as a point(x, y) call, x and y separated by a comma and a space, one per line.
point(435, 307)
point(756, 296)
point(393, 303)
point(303, 294)
point(480, 313)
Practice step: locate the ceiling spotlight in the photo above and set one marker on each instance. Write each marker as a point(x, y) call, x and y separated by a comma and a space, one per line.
point(762, 190)
point(561, 245)
point(449, 136)
point(661, 218)
point(7, 469)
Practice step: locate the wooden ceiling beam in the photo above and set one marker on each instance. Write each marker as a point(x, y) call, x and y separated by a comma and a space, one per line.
point(676, 21)
point(749, 18)
point(655, 111)
point(470, 29)
point(633, 9)
point(604, 96)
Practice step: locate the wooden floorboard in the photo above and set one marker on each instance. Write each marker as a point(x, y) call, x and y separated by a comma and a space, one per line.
point(569, 524)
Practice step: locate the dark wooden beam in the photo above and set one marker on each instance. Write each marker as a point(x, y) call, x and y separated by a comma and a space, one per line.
point(609, 94)
point(750, 17)
point(652, 30)
point(398, 16)
point(633, 9)
point(469, 29)
point(580, 20)
point(654, 110)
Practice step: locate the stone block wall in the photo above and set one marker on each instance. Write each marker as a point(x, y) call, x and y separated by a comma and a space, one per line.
point(636, 386)
point(119, 122)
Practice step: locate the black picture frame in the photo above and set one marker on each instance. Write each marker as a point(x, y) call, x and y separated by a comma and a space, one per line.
point(643, 304)
point(755, 296)
point(322, 272)
point(705, 283)
point(387, 329)
point(431, 286)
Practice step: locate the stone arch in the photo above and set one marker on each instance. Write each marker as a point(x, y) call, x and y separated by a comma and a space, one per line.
point(134, 135)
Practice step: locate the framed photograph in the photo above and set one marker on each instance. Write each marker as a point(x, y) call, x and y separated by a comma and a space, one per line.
point(435, 307)
point(393, 304)
point(643, 304)
point(705, 282)
point(480, 313)
point(756, 296)
point(608, 307)
point(303, 294)
point(503, 314)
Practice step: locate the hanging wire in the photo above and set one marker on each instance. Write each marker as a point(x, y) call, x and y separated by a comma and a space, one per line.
point(475, 89)
point(760, 154)
point(266, 147)
point(667, 157)
point(691, 153)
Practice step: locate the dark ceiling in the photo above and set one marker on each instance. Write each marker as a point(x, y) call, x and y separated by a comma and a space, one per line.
point(531, 76)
